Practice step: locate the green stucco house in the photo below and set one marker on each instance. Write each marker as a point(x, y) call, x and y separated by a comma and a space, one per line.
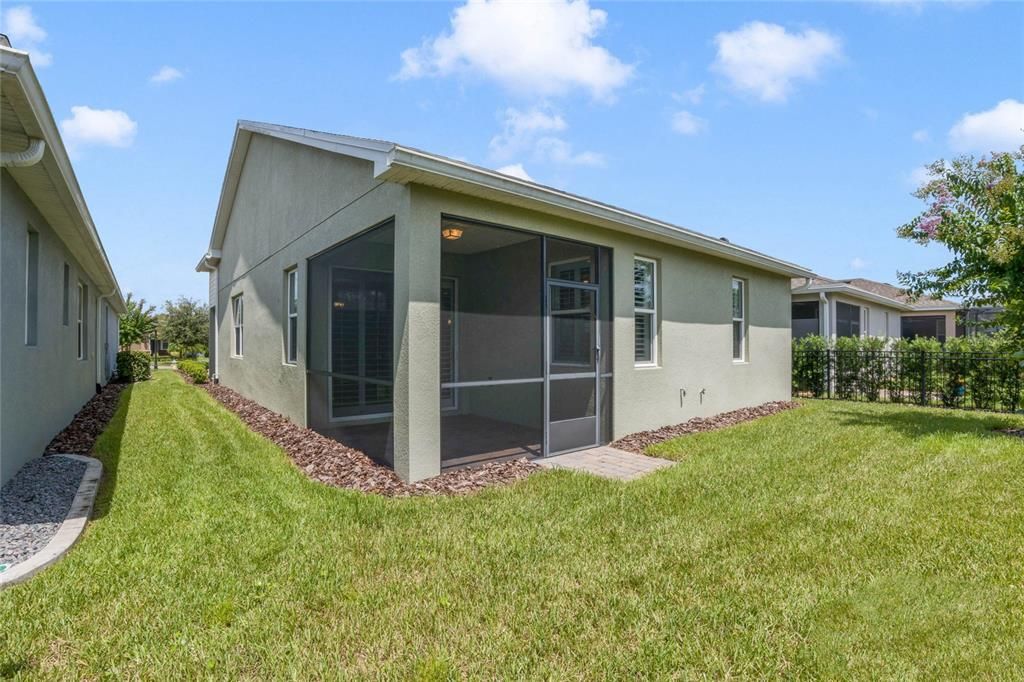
point(434, 314)
point(60, 300)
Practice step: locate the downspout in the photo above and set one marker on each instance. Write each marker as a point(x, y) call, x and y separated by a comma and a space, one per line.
point(823, 304)
point(32, 155)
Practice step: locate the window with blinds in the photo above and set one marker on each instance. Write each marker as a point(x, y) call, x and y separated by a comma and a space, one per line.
point(645, 316)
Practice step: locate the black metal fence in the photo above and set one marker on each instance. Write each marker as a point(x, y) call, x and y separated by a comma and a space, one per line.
point(969, 381)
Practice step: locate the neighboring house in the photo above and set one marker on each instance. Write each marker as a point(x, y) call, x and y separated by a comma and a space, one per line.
point(61, 301)
point(433, 313)
point(152, 346)
point(978, 321)
point(863, 307)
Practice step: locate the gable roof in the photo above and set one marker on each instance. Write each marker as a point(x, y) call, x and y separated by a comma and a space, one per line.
point(397, 163)
point(869, 289)
point(50, 182)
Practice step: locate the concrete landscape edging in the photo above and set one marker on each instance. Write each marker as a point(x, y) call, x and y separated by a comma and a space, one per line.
point(70, 529)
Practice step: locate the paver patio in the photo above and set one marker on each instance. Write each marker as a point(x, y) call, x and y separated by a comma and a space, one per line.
point(607, 462)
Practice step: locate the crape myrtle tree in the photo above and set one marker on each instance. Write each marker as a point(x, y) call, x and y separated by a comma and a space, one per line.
point(975, 208)
point(184, 325)
point(138, 323)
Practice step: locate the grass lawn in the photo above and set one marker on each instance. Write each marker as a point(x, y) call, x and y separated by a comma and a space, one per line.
point(835, 540)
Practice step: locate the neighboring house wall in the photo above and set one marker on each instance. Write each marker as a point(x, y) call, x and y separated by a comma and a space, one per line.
point(948, 324)
point(876, 319)
point(294, 202)
point(43, 385)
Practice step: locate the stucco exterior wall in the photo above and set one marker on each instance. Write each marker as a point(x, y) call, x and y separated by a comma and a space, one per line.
point(694, 311)
point(44, 385)
point(292, 203)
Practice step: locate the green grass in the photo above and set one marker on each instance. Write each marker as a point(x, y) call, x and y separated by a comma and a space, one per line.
point(837, 540)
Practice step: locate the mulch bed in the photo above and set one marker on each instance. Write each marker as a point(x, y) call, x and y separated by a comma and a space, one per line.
point(80, 435)
point(329, 461)
point(639, 442)
point(1019, 433)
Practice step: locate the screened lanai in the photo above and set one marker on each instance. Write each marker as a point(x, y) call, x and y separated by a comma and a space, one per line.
point(524, 367)
point(525, 361)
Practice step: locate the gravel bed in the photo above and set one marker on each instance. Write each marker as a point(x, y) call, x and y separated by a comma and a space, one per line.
point(329, 461)
point(78, 437)
point(639, 442)
point(33, 505)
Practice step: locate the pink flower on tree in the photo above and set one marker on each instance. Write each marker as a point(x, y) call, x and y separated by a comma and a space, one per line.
point(930, 224)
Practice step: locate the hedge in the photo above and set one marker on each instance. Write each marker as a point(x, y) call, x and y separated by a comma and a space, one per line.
point(195, 371)
point(133, 365)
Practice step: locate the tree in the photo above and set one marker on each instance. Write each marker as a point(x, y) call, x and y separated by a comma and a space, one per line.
point(138, 324)
point(976, 210)
point(185, 326)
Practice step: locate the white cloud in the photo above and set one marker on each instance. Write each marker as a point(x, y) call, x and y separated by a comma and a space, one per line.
point(20, 26)
point(108, 127)
point(521, 128)
point(921, 135)
point(533, 132)
point(858, 263)
point(1000, 129)
point(559, 151)
point(692, 96)
point(766, 61)
point(516, 170)
point(541, 48)
point(685, 123)
point(166, 74)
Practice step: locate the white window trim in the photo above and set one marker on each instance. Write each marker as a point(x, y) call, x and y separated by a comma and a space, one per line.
point(237, 328)
point(745, 292)
point(80, 321)
point(653, 312)
point(289, 275)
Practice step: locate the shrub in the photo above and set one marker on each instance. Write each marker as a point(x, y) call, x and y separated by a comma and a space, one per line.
point(195, 371)
point(133, 365)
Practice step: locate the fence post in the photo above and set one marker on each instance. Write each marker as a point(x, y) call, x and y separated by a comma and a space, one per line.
point(828, 372)
point(924, 377)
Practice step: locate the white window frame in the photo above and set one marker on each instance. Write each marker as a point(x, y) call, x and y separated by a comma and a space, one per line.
point(742, 319)
point(650, 312)
point(237, 326)
point(291, 341)
point(80, 321)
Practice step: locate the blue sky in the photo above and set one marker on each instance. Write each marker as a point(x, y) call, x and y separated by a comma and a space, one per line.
point(792, 128)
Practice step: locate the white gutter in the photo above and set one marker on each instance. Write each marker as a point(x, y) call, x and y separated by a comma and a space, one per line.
point(32, 155)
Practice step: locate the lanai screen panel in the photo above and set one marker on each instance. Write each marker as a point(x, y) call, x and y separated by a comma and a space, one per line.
point(492, 353)
point(350, 363)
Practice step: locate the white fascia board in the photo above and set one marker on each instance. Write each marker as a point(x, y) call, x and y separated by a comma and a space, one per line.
point(18, 64)
point(855, 292)
point(418, 161)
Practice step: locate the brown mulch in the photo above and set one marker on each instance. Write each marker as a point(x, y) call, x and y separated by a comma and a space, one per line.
point(639, 442)
point(80, 435)
point(329, 461)
point(1019, 433)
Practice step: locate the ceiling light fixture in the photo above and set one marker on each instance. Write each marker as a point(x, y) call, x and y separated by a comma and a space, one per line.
point(451, 233)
